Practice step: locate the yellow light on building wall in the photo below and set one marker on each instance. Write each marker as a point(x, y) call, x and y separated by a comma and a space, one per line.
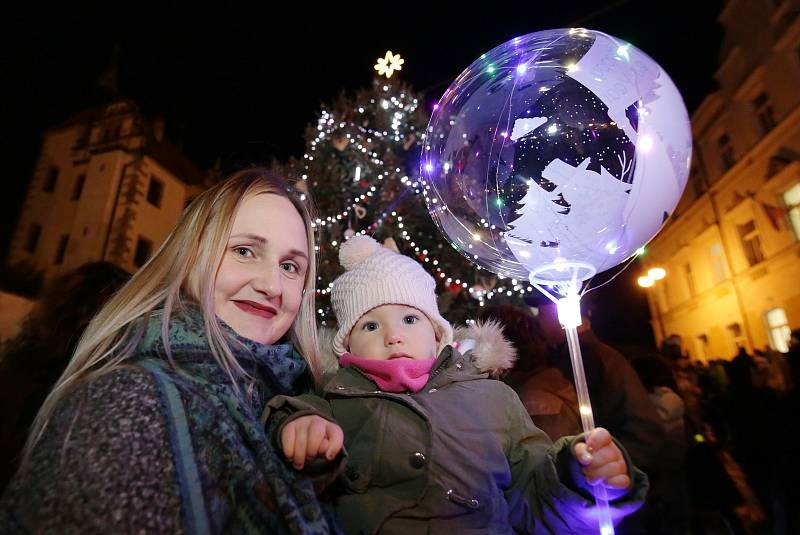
point(656, 273)
point(645, 281)
point(389, 63)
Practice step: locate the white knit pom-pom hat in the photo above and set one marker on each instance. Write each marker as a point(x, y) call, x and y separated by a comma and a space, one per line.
point(375, 276)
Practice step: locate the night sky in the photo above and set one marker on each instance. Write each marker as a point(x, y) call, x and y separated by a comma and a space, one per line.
point(240, 85)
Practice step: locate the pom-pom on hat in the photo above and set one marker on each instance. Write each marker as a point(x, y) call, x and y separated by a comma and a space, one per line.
point(375, 276)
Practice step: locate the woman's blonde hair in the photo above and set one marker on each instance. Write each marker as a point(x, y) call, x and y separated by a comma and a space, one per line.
point(185, 266)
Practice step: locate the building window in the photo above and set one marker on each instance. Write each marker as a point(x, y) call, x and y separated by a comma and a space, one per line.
point(764, 113)
point(62, 250)
point(33, 238)
point(662, 293)
point(697, 181)
point(791, 200)
point(144, 248)
point(78, 188)
point(717, 263)
point(83, 138)
point(735, 332)
point(776, 164)
point(111, 132)
point(778, 329)
point(155, 191)
point(751, 243)
point(726, 152)
point(687, 270)
point(702, 347)
point(51, 179)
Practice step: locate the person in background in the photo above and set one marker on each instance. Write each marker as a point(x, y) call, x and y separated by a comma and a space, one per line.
point(547, 395)
point(31, 362)
point(670, 510)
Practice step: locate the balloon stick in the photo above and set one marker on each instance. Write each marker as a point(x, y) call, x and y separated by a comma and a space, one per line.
point(569, 314)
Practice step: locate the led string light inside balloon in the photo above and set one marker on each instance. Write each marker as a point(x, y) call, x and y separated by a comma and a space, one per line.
point(481, 295)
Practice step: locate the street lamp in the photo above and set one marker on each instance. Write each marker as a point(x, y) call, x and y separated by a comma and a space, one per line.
point(645, 281)
point(656, 273)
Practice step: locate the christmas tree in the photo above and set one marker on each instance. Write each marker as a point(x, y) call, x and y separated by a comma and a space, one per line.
point(361, 166)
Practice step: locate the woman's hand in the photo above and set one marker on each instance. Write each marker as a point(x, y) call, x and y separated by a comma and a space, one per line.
point(601, 461)
point(309, 437)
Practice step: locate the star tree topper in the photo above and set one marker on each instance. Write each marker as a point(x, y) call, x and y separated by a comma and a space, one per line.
point(389, 63)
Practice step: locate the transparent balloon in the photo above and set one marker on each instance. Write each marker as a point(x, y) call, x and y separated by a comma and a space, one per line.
point(556, 155)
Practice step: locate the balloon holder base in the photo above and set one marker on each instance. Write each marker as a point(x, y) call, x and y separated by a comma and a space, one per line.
point(562, 274)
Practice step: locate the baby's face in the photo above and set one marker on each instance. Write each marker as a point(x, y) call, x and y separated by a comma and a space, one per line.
point(393, 331)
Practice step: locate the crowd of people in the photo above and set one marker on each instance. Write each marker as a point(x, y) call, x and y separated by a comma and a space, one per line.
point(710, 468)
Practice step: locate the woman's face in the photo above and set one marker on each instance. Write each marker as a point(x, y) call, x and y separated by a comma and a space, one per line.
point(259, 284)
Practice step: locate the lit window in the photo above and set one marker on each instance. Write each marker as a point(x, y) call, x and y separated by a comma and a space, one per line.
point(791, 199)
point(778, 329)
point(717, 264)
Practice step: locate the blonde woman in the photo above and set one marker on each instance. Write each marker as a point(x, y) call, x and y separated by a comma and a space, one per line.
point(153, 427)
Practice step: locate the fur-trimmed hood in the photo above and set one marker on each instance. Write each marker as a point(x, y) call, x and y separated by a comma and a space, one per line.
point(491, 352)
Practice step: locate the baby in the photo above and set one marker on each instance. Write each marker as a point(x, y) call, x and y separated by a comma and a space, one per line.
point(431, 441)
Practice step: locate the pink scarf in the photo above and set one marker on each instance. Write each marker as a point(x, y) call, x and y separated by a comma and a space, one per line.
point(393, 375)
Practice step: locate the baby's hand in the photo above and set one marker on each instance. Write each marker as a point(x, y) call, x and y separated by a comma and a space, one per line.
point(309, 437)
point(601, 460)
